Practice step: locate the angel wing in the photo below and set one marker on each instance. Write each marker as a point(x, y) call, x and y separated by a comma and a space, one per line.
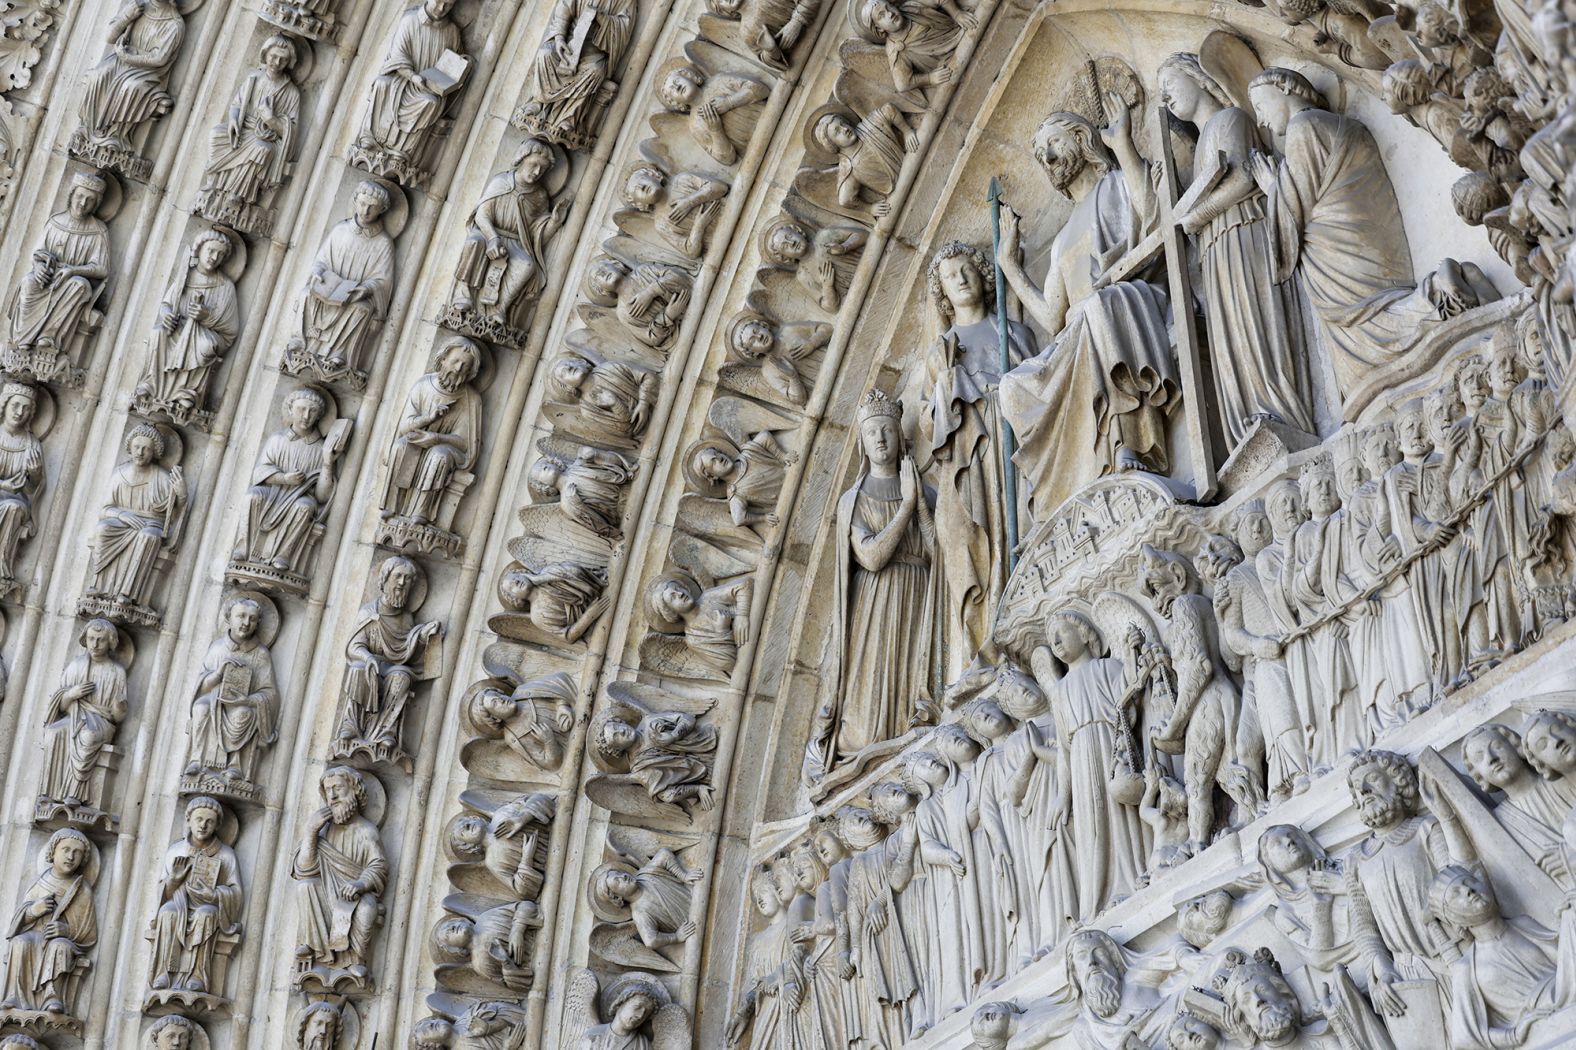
point(580, 1008)
point(669, 654)
point(552, 537)
point(705, 561)
point(713, 517)
point(746, 378)
point(740, 419)
point(670, 1029)
point(618, 943)
point(617, 793)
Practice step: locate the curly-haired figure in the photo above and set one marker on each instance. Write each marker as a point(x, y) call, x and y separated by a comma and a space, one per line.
point(141, 520)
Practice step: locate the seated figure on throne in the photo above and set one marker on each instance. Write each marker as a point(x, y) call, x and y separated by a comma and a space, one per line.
point(1096, 399)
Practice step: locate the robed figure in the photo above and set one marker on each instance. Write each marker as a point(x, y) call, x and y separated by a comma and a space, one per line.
point(439, 435)
point(341, 870)
point(199, 319)
point(67, 273)
point(200, 900)
point(292, 484)
point(82, 718)
point(882, 624)
point(21, 472)
point(234, 714)
point(414, 85)
point(250, 151)
point(571, 74)
point(389, 652)
point(54, 926)
point(142, 519)
point(129, 85)
point(347, 296)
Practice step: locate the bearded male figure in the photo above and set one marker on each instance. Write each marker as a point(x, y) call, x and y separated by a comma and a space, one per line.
point(438, 439)
point(389, 652)
point(341, 870)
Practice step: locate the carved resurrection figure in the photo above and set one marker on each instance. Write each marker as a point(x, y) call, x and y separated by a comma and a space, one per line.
point(347, 296)
point(53, 928)
point(869, 154)
point(292, 484)
point(252, 150)
point(415, 88)
point(963, 417)
point(723, 108)
point(1255, 327)
point(142, 520)
point(886, 543)
point(129, 86)
point(1107, 381)
point(55, 298)
point(200, 900)
point(82, 718)
point(234, 714)
point(341, 870)
point(21, 473)
point(503, 262)
point(388, 653)
point(438, 437)
point(572, 73)
point(1334, 221)
point(533, 719)
point(199, 319)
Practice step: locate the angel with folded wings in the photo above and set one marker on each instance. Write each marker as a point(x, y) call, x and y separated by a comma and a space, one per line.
point(653, 762)
point(734, 474)
point(823, 262)
point(640, 1015)
point(644, 904)
point(587, 485)
point(774, 349)
point(702, 629)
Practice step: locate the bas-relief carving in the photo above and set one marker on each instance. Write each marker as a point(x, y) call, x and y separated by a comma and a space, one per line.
point(430, 465)
point(129, 88)
point(769, 354)
point(531, 717)
point(649, 299)
point(293, 484)
point(640, 1014)
point(54, 927)
point(601, 400)
point(735, 473)
point(493, 946)
point(175, 1032)
point(867, 154)
point(389, 654)
point(142, 522)
point(643, 902)
point(510, 842)
point(696, 632)
point(57, 303)
point(654, 752)
point(341, 871)
point(573, 73)
point(502, 268)
point(80, 723)
point(348, 292)
point(22, 476)
point(252, 151)
point(412, 99)
point(26, 32)
point(313, 19)
point(769, 29)
point(199, 319)
point(234, 714)
point(722, 108)
point(198, 923)
point(327, 1024)
point(822, 261)
point(918, 40)
point(689, 203)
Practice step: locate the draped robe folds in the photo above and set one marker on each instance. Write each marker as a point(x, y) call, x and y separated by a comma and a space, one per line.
point(269, 108)
point(21, 478)
point(825, 1013)
point(132, 532)
point(965, 445)
point(1109, 377)
point(280, 516)
point(1285, 615)
point(1534, 816)
point(1335, 222)
point(420, 477)
point(663, 903)
point(736, 126)
point(563, 94)
point(36, 960)
point(676, 753)
point(593, 493)
point(117, 95)
point(617, 399)
point(1506, 545)
point(77, 731)
point(1500, 980)
point(339, 931)
point(521, 217)
point(602, 1037)
point(1111, 849)
point(686, 232)
point(888, 975)
point(1005, 898)
point(650, 316)
point(180, 364)
point(336, 328)
point(927, 42)
point(1415, 493)
point(226, 730)
point(1255, 324)
point(1388, 875)
point(563, 593)
point(1317, 583)
point(49, 314)
point(759, 480)
point(1394, 675)
point(393, 648)
point(400, 114)
point(869, 170)
point(774, 960)
point(207, 902)
point(883, 642)
point(950, 909)
point(1267, 684)
point(1044, 866)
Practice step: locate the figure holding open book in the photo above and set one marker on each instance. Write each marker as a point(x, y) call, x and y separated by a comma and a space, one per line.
point(414, 90)
point(347, 295)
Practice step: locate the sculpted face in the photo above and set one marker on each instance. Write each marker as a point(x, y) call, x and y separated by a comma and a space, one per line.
point(618, 737)
point(82, 202)
point(754, 338)
point(19, 411)
point(1467, 901)
point(1179, 93)
point(788, 242)
point(1472, 383)
point(320, 1032)
point(468, 836)
point(439, 8)
point(806, 869)
point(1097, 973)
point(1189, 1032)
point(304, 413)
point(202, 824)
point(212, 254)
point(836, 133)
point(1285, 849)
point(882, 443)
point(605, 277)
point(712, 463)
point(828, 849)
point(1254, 532)
point(676, 600)
point(69, 856)
point(99, 639)
point(643, 190)
point(455, 366)
point(885, 16)
point(533, 166)
point(1411, 432)
point(1269, 1008)
point(991, 1026)
point(569, 372)
point(278, 59)
point(369, 207)
point(678, 91)
point(1492, 759)
point(1552, 742)
point(339, 791)
point(1203, 918)
point(1272, 107)
point(764, 894)
point(1284, 507)
point(1323, 497)
point(396, 587)
point(960, 281)
point(175, 1037)
point(142, 450)
point(991, 722)
point(244, 619)
point(1376, 796)
point(633, 1013)
point(1068, 643)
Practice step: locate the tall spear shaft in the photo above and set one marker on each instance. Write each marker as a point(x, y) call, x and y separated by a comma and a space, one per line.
point(1008, 443)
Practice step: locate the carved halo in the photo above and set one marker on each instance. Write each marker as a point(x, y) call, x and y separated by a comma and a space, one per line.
point(697, 482)
point(781, 220)
point(398, 215)
point(418, 586)
point(199, 1037)
point(621, 985)
point(268, 621)
point(234, 266)
point(125, 649)
point(349, 1022)
point(377, 795)
point(814, 153)
point(330, 405)
point(1085, 94)
point(114, 194)
point(600, 908)
point(91, 866)
point(487, 364)
point(45, 408)
point(229, 824)
point(305, 56)
point(174, 447)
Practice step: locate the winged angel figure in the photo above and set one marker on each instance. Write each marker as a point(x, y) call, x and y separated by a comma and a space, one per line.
point(640, 1015)
point(734, 473)
point(655, 753)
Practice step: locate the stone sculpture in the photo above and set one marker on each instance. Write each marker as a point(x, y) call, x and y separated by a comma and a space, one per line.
point(54, 927)
point(573, 72)
point(869, 154)
point(640, 1015)
point(503, 264)
point(919, 39)
point(57, 304)
point(886, 543)
point(562, 599)
point(347, 294)
point(199, 319)
point(511, 843)
point(21, 474)
point(323, 1025)
point(610, 401)
point(698, 632)
point(654, 762)
point(533, 717)
point(689, 204)
point(822, 263)
point(775, 350)
point(496, 945)
point(774, 990)
point(341, 870)
point(1108, 379)
point(79, 728)
point(769, 28)
point(650, 299)
point(747, 477)
point(252, 151)
point(174, 1032)
point(129, 88)
point(292, 485)
point(588, 486)
point(199, 918)
point(651, 895)
point(141, 524)
point(235, 705)
point(723, 108)
point(436, 445)
point(413, 96)
point(313, 19)
point(390, 652)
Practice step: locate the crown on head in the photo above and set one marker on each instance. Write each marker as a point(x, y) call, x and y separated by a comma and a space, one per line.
point(89, 180)
point(875, 403)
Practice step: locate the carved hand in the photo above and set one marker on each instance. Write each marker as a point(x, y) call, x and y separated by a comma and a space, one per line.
point(197, 312)
point(170, 322)
point(53, 930)
point(320, 820)
point(352, 890)
point(685, 932)
point(42, 907)
point(876, 916)
point(941, 75)
point(1386, 999)
point(1119, 131)
point(495, 248)
point(1263, 171)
